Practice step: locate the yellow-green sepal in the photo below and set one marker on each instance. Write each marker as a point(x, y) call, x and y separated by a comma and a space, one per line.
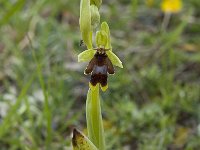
point(81, 142)
point(114, 59)
point(86, 55)
point(85, 23)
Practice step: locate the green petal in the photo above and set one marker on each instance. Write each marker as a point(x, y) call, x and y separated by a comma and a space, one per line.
point(114, 59)
point(81, 142)
point(105, 28)
point(86, 55)
point(85, 23)
point(101, 39)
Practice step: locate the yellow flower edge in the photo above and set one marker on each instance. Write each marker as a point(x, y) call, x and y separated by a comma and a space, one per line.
point(171, 6)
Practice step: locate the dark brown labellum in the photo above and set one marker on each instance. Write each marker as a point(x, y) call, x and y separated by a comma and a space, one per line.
point(99, 67)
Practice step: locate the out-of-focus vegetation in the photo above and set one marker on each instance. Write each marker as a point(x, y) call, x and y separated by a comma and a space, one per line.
point(151, 104)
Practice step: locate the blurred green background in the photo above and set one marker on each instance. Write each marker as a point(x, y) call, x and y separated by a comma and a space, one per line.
point(153, 103)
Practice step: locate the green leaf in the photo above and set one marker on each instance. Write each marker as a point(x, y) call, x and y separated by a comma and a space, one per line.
point(114, 59)
point(81, 142)
point(94, 118)
point(86, 55)
point(11, 11)
point(85, 23)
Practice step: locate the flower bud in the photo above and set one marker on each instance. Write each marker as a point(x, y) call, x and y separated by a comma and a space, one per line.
point(85, 23)
point(95, 16)
point(96, 3)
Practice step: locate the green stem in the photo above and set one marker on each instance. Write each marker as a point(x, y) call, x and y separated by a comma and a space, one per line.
point(166, 20)
point(94, 118)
